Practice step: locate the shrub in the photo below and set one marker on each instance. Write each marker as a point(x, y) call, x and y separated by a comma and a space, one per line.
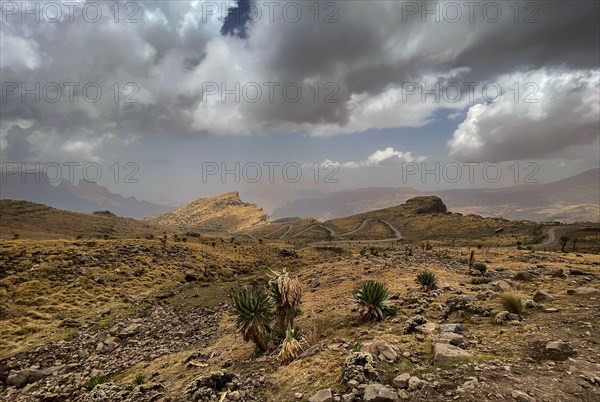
point(480, 266)
point(252, 310)
point(512, 302)
point(371, 298)
point(92, 382)
point(426, 279)
point(480, 281)
point(139, 379)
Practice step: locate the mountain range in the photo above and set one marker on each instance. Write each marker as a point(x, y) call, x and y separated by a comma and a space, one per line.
point(575, 199)
point(85, 196)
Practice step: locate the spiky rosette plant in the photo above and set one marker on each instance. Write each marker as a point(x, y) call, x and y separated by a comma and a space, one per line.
point(252, 309)
point(286, 295)
point(290, 348)
point(371, 298)
point(426, 279)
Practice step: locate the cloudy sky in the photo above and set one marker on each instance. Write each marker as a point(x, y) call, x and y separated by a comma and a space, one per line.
point(346, 93)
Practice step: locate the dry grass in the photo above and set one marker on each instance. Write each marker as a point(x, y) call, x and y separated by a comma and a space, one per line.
point(513, 302)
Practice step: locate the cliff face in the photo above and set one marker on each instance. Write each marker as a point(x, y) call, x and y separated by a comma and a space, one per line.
point(225, 211)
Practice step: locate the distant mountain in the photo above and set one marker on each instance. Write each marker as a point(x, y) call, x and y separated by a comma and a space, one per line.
point(86, 196)
point(226, 211)
point(575, 199)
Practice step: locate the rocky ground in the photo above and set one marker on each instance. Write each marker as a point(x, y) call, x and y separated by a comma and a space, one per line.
point(452, 343)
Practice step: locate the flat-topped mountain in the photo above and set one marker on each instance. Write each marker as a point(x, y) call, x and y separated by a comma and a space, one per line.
point(225, 211)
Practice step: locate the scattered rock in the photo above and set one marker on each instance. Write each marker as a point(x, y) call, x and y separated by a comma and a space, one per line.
point(379, 393)
point(21, 378)
point(380, 349)
point(322, 395)
point(556, 346)
point(583, 291)
point(446, 353)
point(500, 286)
point(413, 323)
point(521, 396)
point(541, 296)
point(190, 277)
point(360, 366)
point(427, 328)
point(401, 381)
point(523, 276)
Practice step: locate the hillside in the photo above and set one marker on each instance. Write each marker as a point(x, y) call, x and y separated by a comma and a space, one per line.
point(37, 221)
point(226, 211)
point(574, 199)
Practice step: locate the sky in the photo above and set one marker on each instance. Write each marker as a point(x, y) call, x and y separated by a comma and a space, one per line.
point(173, 100)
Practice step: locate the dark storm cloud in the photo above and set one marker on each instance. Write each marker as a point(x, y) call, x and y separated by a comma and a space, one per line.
point(367, 51)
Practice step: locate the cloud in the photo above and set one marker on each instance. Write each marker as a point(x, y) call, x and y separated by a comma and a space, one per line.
point(383, 157)
point(555, 109)
point(176, 48)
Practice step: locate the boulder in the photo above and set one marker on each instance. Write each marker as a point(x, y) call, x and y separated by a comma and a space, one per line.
point(456, 328)
point(401, 381)
point(23, 377)
point(379, 393)
point(583, 291)
point(322, 395)
point(450, 337)
point(521, 396)
point(446, 353)
point(380, 349)
point(500, 286)
point(427, 328)
point(541, 296)
point(523, 276)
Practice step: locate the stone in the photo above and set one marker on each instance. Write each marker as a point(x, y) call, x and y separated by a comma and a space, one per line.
point(415, 383)
point(541, 296)
point(521, 396)
point(575, 271)
point(523, 276)
point(322, 395)
point(190, 277)
point(500, 286)
point(501, 317)
point(427, 328)
point(131, 330)
point(456, 328)
point(451, 338)
point(582, 291)
point(557, 273)
point(298, 395)
point(348, 397)
point(446, 353)
point(556, 345)
point(380, 349)
point(21, 378)
point(379, 393)
point(401, 381)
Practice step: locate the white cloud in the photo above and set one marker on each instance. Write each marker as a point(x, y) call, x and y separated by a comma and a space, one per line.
point(382, 157)
point(563, 111)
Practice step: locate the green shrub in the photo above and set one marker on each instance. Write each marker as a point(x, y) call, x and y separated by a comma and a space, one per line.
point(480, 266)
point(252, 309)
point(139, 379)
point(426, 279)
point(371, 299)
point(92, 382)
